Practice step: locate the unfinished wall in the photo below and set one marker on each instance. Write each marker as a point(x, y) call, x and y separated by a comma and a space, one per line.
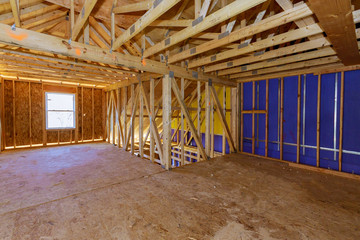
point(24, 115)
point(315, 130)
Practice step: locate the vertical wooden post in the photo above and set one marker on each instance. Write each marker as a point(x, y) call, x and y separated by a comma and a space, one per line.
point(298, 120)
point(152, 103)
point(2, 139)
point(93, 113)
point(118, 119)
point(108, 111)
point(211, 127)
point(76, 116)
point(44, 115)
point(141, 120)
point(341, 120)
point(30, 115)
point(318, 122)
point(82, 116)
point(14, 114)
point(132, 147)
point(166, 122)
point(267, 120)
point(242, 118)
point(86, 33)
point(182, 124)
point(224, 111)
point(72, 17)
point(125, 100)
point(207, 118)
point(281, 117)
point(199, 117)
point(253, 119)
point(113, 117)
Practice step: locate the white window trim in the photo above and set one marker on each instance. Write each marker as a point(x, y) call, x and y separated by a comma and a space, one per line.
point(46, 111)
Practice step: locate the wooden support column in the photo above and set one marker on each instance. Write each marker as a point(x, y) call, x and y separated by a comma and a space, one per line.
point(242, 118)
point(341, 120)
point(125, 100)
point(82, 116)
point(141, 122)
point(118, 118)
point(113, 117)
point(267, 120)
point(134, 102)
point(30, 132)
point(76, 115)
point(152, 103)
point(207, 118)
point(281, 117)
point(2, 139)
point(166, 161)
point(224, 112)
point(107, 119)
point(318, 122)
point(199, 101)
point(253, 120)
point(298, 120)
point(211, 126)
point(93, 114)
point(182, 124)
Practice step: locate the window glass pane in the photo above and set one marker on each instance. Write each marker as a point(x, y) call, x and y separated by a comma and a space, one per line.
point(60, 120)
point(58, 101)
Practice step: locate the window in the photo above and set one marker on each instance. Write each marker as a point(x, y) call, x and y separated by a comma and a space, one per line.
point(60, 110)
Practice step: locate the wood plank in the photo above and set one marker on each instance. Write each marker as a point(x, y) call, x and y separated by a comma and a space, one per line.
point(298, 121)
point(150, 112)
point(166, 114)
point(16, 12)
point(341, 116)
point(253, 119)
point(82, 18)
point(318, 122)
point(207, 118)
point(151, 15)
point(267, 119)
point(134, 7)
point(266, 24)
point(54, 45)
point(336, 18)
point(281, 118)
point(201, 24)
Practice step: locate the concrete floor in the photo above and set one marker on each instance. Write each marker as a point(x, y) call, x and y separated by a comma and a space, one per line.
point(97, 191)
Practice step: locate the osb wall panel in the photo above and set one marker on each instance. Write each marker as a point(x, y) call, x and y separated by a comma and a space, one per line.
point(87, 113)
point(8, 108)
point(22, 113)
point(24, 127)
point(52, 136)
point(79, 113)
point(65, 136)
point(98, 115)
point(36, 113)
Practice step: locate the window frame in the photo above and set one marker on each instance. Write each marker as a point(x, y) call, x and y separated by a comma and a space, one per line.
point(73, 111)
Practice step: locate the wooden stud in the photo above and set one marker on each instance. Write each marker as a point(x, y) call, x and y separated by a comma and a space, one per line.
point(77, 115)
point(30, 115)
point(253, 119)
point(281, 117)
point(118, 118)
point(44, 115)
point(242, 117)
point(318, 122)
point(125, 100)
point(14, 107)
point(141, 122)
point(267, 119)
point(341, 120)
point(207, 119)
point(182, 124)
point(82, 116)
point(152, 103)
point(167, 82)
point(224, 112)
point(199, 103)
point(93, 114)
point(2, 118)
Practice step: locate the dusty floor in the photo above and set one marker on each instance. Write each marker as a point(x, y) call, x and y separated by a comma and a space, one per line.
point(97, 191)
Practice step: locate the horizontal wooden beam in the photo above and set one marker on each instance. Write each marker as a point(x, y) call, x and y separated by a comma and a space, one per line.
point(46, 43)
point(134, 7)
point(201, 24)
point(335, 17)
